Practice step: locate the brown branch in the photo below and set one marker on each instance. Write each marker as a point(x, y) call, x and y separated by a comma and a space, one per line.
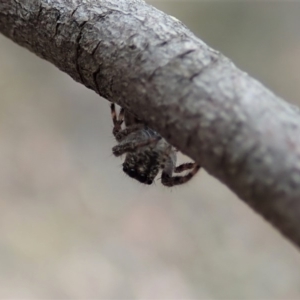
point(152, 65)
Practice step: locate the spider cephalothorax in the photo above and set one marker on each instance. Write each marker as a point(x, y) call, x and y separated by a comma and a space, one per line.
point(147, 152)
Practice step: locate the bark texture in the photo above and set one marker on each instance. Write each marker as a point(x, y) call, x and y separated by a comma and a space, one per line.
point(151, 64)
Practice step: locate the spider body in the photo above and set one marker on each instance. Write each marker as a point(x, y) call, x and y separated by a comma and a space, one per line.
point(147, 152)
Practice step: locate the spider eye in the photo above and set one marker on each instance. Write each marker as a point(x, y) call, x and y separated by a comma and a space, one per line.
point(142, 178)
point(149, 181)
point(132, 172)
point(128, 170)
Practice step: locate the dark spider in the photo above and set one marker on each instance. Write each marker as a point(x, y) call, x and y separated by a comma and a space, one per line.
point(147, 152)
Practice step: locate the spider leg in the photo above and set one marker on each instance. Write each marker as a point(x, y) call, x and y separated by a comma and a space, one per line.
point(117, 120)
point(113, 113)
point(169, 180)
point(184, 167)
point(131, 146)
point(123, 133)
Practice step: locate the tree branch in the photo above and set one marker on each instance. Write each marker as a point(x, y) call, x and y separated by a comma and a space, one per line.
point(151, 64)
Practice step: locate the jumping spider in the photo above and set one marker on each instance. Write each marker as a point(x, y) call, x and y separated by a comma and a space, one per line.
point(147, 152)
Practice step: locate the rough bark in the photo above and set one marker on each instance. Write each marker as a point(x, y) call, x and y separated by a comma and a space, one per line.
point(151, 64)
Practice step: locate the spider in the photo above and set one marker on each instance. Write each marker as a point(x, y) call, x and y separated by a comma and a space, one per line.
point(147, 152)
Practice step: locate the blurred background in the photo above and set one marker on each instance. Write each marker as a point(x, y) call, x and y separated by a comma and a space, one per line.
point(72, 225)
